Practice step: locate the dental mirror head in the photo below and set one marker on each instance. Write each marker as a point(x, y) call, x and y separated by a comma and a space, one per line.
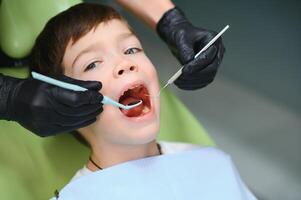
point(107, 100)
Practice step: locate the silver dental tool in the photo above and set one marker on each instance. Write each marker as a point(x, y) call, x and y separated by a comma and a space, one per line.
point(179, 72)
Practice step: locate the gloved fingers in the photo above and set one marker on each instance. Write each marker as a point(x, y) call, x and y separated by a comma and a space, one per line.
point(192, 84)
point(207, 72)
point(84, 124)
point(90, 85)
point(201, 78)
point(75, 99)
point(48, 129)
point(79, 121)
point(198, 79)
point(202, 61)
point(195, 83)
point(221, 51)
point(185, 48)
point(208, 36)
point(82, 110)
point(72, 128)
point(62, 120)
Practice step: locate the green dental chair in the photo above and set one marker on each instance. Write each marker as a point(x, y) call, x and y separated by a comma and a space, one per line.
point(32, 167)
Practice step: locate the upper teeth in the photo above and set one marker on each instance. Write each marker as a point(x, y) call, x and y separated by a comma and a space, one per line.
point(132, 87)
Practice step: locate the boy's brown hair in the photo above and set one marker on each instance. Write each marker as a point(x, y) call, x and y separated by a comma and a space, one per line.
point(47, 54)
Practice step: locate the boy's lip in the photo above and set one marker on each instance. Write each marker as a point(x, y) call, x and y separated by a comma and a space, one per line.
point(145, 118)
point(131, 85)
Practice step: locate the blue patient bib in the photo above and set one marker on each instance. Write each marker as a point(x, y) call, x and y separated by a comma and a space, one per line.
point(201, 174)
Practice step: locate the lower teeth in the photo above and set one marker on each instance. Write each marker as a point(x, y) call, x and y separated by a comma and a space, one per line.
point(145, 109)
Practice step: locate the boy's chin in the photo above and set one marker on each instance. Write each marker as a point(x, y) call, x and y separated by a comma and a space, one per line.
point(141, 136)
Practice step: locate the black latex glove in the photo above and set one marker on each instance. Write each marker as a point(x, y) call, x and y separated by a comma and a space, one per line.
point(46, 109)
point(184, 40)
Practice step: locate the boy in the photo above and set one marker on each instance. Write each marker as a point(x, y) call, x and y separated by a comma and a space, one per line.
point(93, 42)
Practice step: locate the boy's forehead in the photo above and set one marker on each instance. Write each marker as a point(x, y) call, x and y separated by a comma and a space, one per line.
point(113, 29)
point(107, 33)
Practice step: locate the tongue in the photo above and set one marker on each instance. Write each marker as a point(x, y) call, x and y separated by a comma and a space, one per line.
point(134, 112)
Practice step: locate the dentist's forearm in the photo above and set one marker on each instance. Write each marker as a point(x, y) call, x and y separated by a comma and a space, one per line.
point(149, 11)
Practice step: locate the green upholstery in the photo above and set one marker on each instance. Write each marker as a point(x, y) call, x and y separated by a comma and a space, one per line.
point(22, 20)
point(32, 167)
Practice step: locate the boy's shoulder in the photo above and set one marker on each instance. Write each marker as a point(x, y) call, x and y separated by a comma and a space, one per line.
point(177, 147)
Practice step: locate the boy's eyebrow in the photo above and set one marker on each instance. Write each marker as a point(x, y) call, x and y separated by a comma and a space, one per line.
point(90, 48)
point(125, 35)
point(94, 46)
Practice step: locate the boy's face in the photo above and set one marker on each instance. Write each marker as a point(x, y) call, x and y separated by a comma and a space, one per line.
point(113, 55)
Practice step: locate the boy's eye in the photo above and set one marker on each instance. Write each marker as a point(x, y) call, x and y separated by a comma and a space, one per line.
point(92, 65)
point(132, 50)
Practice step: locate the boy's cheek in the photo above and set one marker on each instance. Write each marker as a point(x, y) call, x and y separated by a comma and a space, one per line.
point(153, 76)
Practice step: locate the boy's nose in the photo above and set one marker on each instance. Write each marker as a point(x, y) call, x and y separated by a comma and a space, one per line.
point(124, 69)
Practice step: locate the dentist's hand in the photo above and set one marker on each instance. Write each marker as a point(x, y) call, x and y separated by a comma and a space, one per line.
point(184, 40)
point(47, 110)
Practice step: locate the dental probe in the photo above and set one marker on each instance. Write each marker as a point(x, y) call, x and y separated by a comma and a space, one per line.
point(179, 72)
point(70, 86)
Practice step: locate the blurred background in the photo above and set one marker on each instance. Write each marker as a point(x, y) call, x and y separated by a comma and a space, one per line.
point(253, 108)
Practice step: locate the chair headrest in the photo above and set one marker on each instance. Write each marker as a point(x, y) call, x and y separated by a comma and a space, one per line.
point(21, 21)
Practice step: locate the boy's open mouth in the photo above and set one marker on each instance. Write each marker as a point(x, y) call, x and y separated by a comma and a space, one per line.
point(132, 96)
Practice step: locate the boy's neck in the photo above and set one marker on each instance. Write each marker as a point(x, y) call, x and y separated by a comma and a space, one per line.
point(107, 155)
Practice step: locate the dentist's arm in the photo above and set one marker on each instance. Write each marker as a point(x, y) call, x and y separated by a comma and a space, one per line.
point(183, 39)
point(150, 11)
